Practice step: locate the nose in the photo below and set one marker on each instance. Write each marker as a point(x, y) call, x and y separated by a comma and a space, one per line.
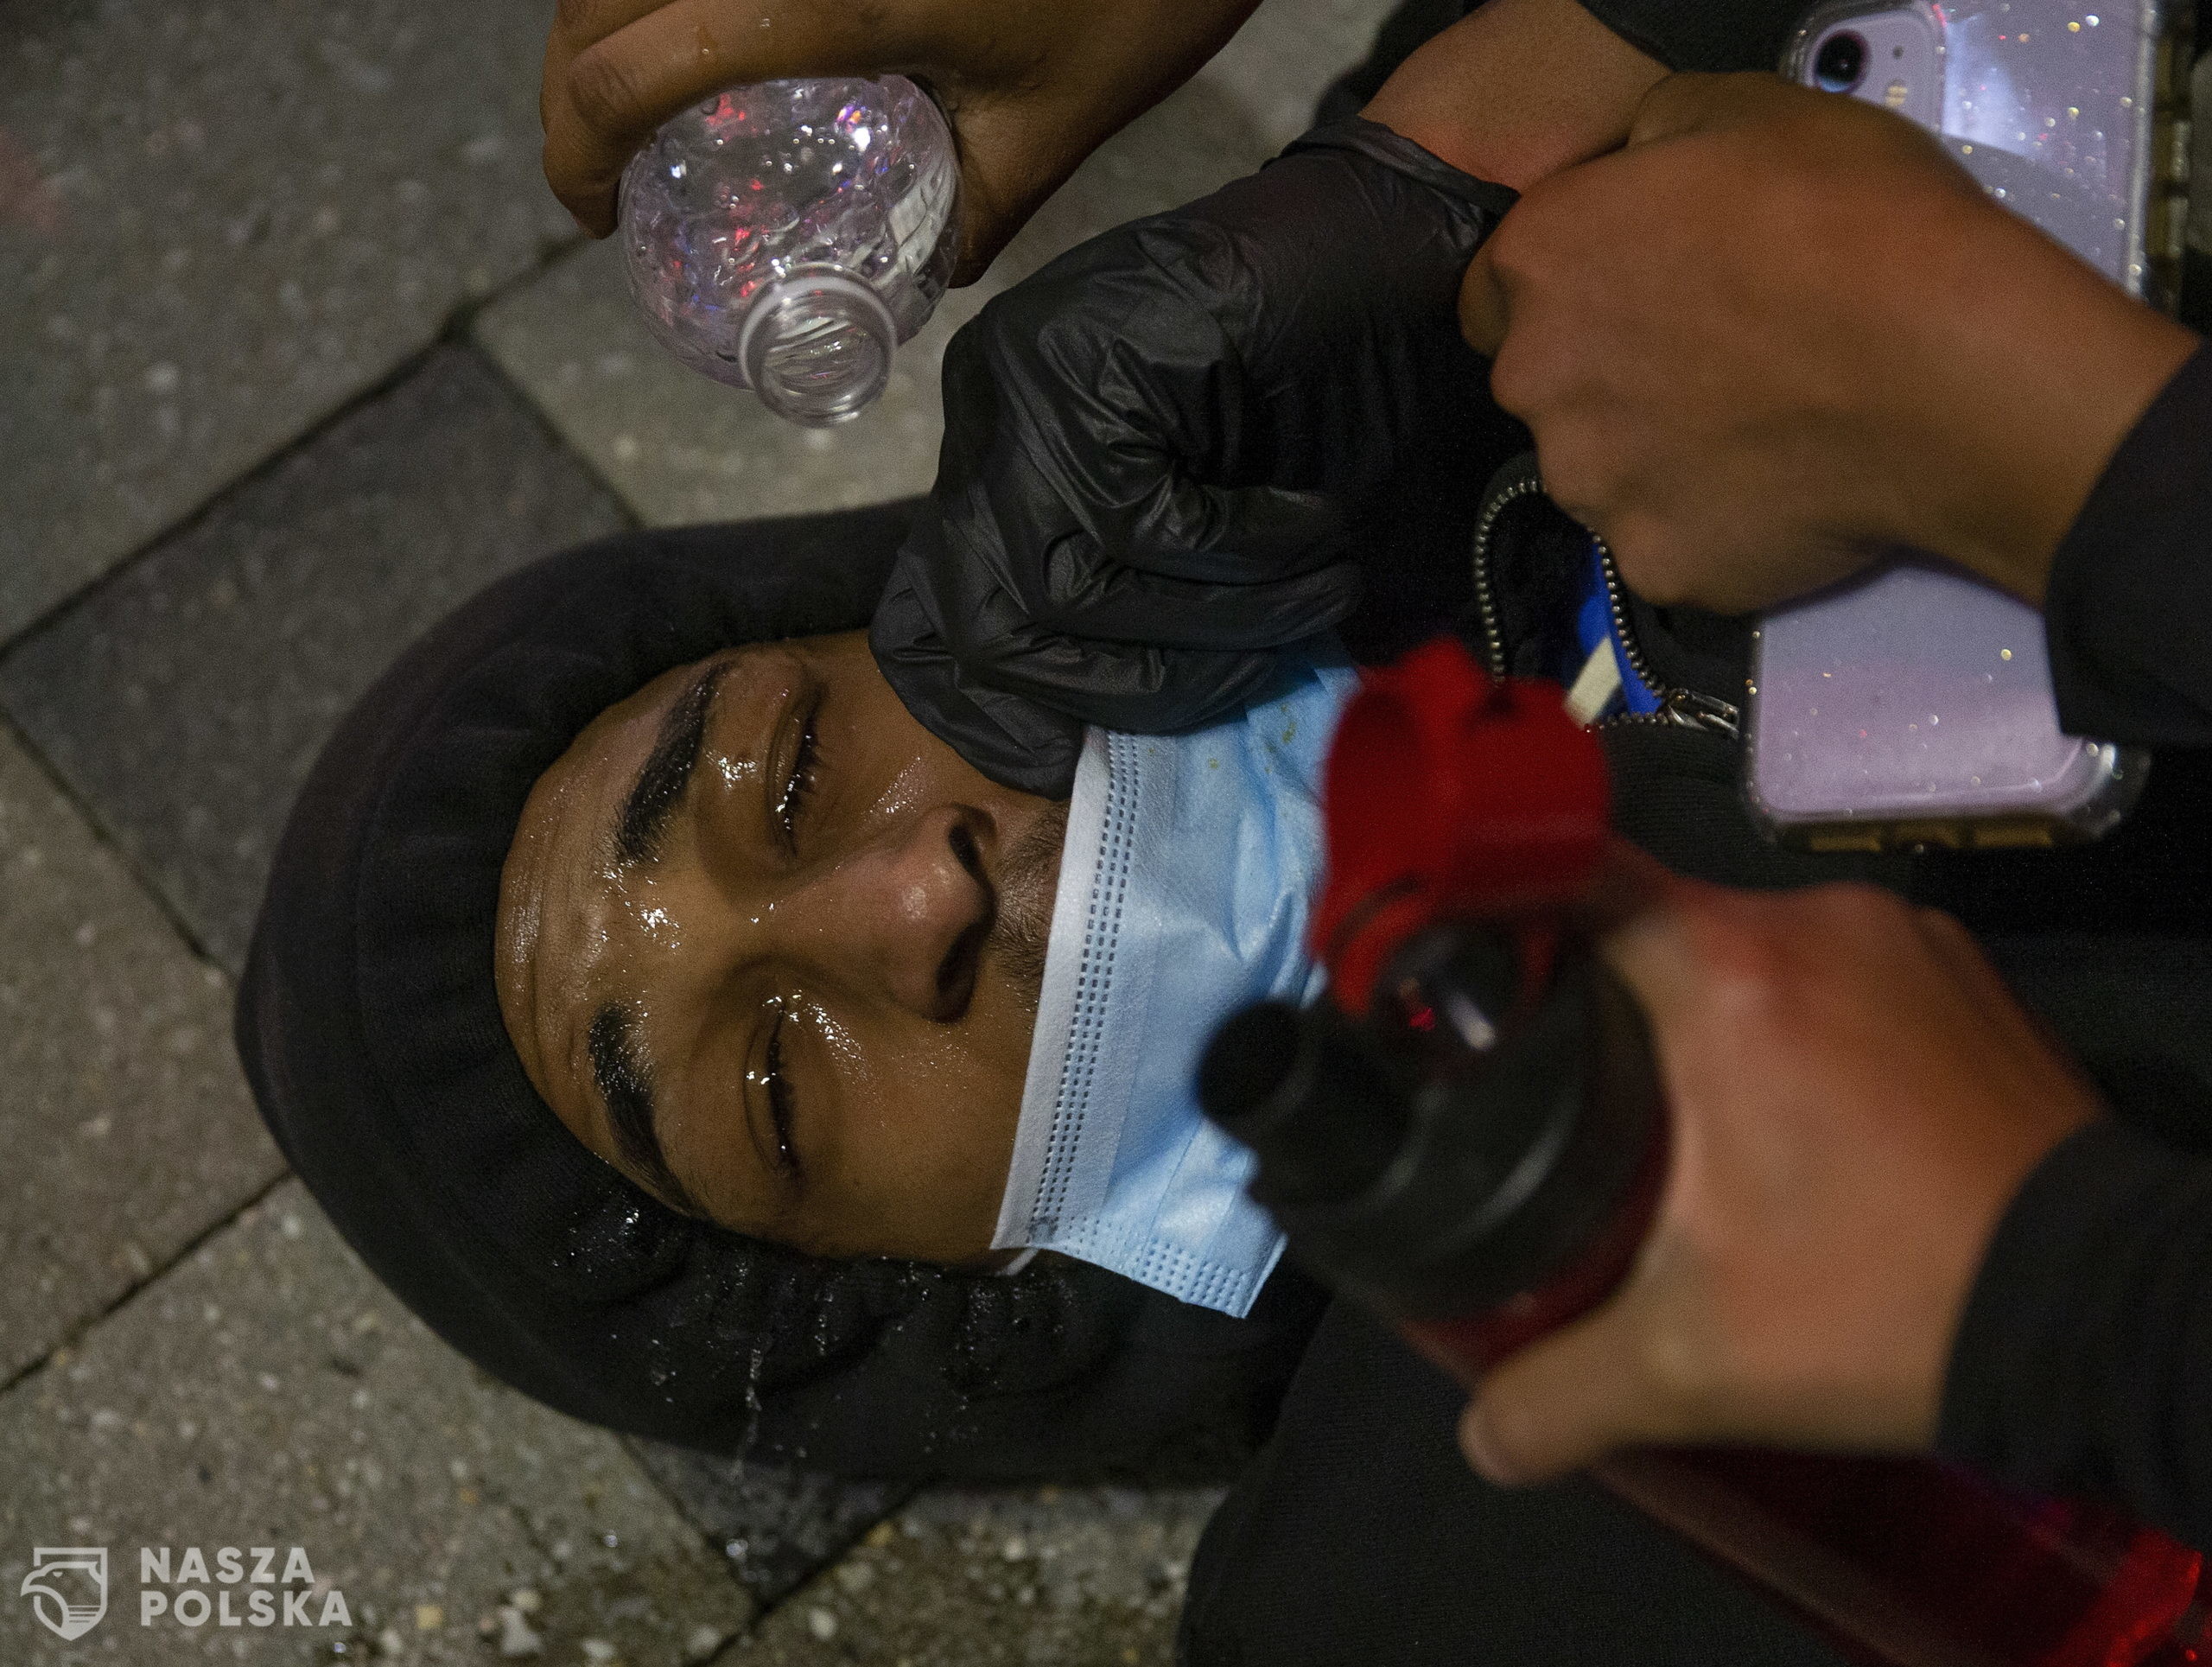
point(911, 911)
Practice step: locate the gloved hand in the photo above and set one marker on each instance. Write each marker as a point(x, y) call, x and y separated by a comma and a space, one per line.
point(1161, 450)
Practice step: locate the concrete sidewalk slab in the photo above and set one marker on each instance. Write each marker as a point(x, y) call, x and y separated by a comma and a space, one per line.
point(218, 222)
point(128, 1130)
point(680, 449)
point(1090, 1577)
point(186, 699)
point(1286, 55)
point(778, 1527)
point(268, 1392)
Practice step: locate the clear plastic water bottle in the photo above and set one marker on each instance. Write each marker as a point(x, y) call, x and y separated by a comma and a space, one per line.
point(786, 237)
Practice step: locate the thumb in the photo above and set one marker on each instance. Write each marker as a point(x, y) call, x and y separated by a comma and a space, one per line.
point(1562, 1403)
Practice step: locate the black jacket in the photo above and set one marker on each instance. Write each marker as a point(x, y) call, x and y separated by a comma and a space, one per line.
point(2085, 1358)
point(2084, 1362)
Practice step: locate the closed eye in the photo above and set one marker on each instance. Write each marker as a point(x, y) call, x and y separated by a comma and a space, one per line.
point(779, 1097)
point(799, 785)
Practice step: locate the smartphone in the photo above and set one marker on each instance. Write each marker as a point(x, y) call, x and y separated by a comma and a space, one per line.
point(1912, 707)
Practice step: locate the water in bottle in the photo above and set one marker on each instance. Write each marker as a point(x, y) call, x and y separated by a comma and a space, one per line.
point(787, 236)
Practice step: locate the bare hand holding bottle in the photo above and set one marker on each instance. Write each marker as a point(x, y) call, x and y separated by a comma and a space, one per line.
point(1855, 1098)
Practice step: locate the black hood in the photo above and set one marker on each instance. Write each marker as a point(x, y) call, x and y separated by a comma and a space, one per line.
point(370, 1030)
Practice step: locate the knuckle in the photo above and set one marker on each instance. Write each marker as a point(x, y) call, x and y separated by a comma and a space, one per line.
point(1936, 923)
point(1501, 248)
point(1679, 1370)
point(1744, 952)
point(603, 93)
point(1518, 380)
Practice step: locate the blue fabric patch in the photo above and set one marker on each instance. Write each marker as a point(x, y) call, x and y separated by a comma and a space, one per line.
point(1593, 624)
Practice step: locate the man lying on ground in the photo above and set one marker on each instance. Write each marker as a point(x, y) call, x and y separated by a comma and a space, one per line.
point(649, 1000)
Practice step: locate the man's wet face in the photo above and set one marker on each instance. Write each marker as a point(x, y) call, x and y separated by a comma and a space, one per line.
point(773, 949)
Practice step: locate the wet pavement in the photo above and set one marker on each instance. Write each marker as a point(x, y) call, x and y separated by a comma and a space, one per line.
point(296, 351)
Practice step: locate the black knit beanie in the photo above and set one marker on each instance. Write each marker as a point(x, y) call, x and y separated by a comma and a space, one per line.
point(371, 1032)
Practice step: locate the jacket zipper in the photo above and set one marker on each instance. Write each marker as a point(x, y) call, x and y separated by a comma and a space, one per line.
point(1485, 593)
point(1676, 704)
point(1684, 707)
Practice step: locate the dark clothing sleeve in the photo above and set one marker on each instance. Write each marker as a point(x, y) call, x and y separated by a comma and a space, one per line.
point(1721, 35)
point(1703, 35)
point(2129, 613)
point(2083, 1363)
point(1359, 1539)
point(2084, 1356)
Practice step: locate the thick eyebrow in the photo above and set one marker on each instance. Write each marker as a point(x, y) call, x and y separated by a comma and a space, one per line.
point(667, 769)
point(626, 1086)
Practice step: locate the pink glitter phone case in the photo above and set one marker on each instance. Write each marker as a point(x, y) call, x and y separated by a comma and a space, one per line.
point(1913, 706)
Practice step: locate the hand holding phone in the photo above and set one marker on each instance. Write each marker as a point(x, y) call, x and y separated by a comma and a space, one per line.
point(1782, 336)
point(1780, 333)
point(1915, 706)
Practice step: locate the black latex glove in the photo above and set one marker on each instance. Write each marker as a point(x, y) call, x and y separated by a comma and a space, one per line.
point(1161, 450)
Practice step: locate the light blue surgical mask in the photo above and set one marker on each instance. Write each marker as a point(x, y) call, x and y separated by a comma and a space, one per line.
point(1187, 878)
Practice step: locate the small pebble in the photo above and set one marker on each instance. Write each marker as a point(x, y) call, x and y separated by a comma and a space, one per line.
point(428, 1616)
point(822, 1623)
point(389, 1643)
point(598, 1651)
point(516, 1638)
point(526, 1600)
point(855, 1577)
point(703, 1642)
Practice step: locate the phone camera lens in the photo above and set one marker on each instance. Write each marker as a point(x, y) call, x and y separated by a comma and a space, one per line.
point(1841, 64)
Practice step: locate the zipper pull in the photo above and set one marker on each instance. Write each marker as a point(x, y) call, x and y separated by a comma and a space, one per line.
point(1695, 711)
